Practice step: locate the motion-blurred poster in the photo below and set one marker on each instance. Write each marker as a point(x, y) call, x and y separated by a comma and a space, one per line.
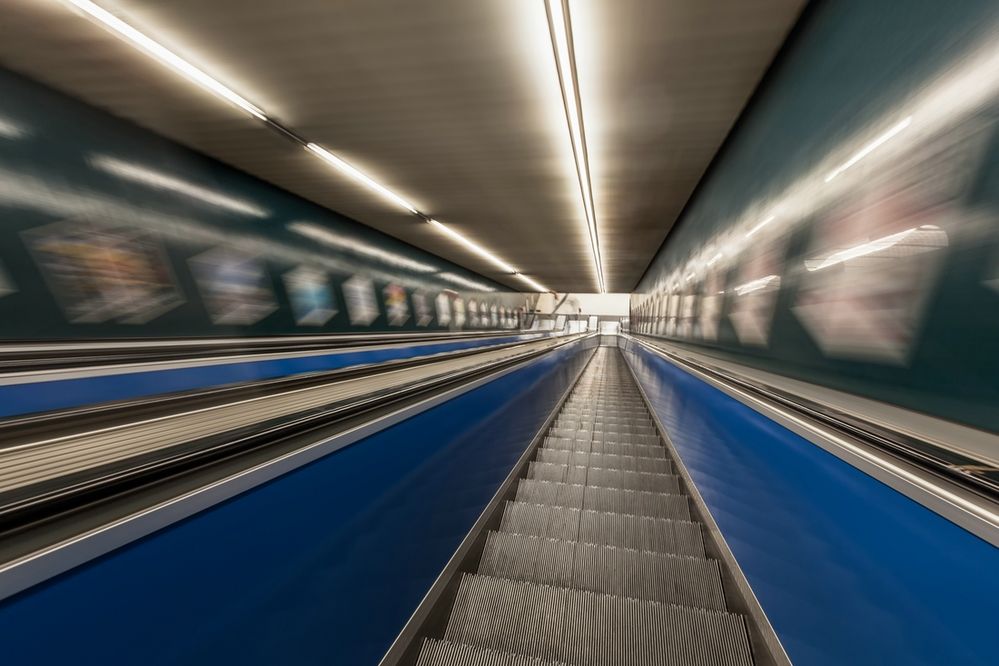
point(868, 274)
point(396, 305)
point(100, 273)
point(443, 306)
point(234, 286)
point(421, 309)
point(359, 294)
point(311, 298)
point(755, 294)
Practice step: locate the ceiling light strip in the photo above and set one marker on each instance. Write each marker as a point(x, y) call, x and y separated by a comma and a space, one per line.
point(560, 27)
point(165, 56)
point(196, 75)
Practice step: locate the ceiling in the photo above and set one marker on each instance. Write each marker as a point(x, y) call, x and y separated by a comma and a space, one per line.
point(454, 105)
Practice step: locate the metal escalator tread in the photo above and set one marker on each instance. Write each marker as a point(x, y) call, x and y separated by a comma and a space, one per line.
point(691, 581)
point(577, 626)
point(605, 460)
point(618, 448)
point(597, 559)
point(446, 653)
point(611, 500)
point(660, 535)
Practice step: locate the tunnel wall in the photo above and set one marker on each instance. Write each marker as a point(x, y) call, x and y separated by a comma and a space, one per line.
point(847, 570)
point(847, 233)
point(111, 231)
point(321, 566)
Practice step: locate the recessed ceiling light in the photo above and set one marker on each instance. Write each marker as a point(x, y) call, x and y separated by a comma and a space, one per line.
point(560, 26)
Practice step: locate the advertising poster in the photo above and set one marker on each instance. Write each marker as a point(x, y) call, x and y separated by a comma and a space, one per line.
point(443, 305)
point(359, 294)
point(312, 300)
point(421, 309)
point(99, 273)
point(396, 305)
point(459, 312)
point(234, 286)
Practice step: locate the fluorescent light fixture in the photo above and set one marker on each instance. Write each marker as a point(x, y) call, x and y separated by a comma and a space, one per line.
point(474, 247)
point(164, 55)
point(534, 285)
point(162, 181)
point(485, 254)
point(360, 177)
point(761, 225)
point(340, 242)
point(561, 33)
point(869, 148)
point(714, 260)
point(465, 282)
point(690, 277)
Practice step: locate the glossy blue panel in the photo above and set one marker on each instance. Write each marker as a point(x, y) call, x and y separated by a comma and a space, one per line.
point(65, 393)
point(848, 570)
point(321, 566)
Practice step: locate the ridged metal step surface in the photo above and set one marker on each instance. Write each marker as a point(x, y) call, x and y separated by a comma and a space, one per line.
point(577, 626)
point(446, 653)
point(691, 581)
point(611, 500)
point(660, 535)
point(604, 460)
point(604, 478)
point(618, 448)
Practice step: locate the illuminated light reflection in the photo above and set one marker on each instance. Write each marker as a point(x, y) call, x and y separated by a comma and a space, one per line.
point(165, 56)
point(333, 239)
point(11, 130)
point(163, 181)
point(765, 282)
point(561, 34)
point(879, 245)
point(714, 260)
point(869, 148)
point(761, 225)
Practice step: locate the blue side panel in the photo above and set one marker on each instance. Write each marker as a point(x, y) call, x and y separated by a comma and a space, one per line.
point(16, 399)
point(848, 570)
point(321, 566)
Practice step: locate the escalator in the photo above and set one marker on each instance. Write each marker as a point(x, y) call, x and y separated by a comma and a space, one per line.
point(599, 557)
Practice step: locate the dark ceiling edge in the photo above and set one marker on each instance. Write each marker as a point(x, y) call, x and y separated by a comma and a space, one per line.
point(793, 36)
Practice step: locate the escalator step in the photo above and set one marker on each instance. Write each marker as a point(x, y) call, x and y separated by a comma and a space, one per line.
point(604, 460)
point(445, 653)
point(600, 436)
point(583, 627)
point(687, 581)
point(604, 478)
point(612, 500)
point(623, 449)
point(680, 537)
